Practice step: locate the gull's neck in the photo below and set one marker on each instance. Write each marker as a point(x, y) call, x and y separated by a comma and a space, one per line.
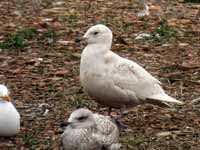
point(3, 101)
point(89, 126)
point(98, 47)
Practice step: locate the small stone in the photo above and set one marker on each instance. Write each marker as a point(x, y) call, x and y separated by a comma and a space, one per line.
point(183, 44)
point(164, 134)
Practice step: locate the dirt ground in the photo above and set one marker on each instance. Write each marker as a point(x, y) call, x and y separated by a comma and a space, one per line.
point(43, 73)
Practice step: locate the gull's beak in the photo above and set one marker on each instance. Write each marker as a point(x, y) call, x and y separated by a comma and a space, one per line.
point(64, 124)
point(79, 39)
point(6, 98)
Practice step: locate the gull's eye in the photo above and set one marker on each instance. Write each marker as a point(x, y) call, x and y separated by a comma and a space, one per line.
point(95, 33)
point(82, 118)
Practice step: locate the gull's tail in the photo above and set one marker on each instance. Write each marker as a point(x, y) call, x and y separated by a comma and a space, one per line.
point(163, 99)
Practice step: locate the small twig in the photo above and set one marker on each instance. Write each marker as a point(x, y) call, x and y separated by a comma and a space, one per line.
point(181, 88)
point(192, 81)
point(195, 101)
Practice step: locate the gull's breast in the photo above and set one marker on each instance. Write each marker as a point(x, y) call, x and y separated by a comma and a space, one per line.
point(9, 119)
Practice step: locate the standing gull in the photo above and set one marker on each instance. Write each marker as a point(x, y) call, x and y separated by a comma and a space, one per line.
point(114, 81)
point(9, 117)
point(148, 7)
point(88, 131)
point(145, 12)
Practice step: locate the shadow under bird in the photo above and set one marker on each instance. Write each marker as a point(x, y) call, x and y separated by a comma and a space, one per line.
point(114, 81)
point(9, 116)
point(88, 131)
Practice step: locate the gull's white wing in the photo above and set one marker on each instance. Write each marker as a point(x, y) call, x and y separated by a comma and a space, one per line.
point(105, 145)
point(132, 79)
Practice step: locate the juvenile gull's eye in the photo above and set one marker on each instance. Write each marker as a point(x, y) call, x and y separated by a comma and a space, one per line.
point(82, 118)
point(95, 33)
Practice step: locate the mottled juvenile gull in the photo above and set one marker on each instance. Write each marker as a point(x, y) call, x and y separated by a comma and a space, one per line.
point(9, 116)
point(114, 81)
point(88, 131)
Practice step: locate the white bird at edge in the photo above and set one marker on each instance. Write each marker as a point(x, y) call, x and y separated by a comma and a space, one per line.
point(9, 116)
point(88, 131)
point(114, 81)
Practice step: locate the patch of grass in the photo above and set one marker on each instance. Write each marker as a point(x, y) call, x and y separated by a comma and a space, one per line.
point(52, 89)
point(142, 18)
point(78, 102)
point(69, 18)
point(13, 41)
point(165, 31)
point(30, 141)
point(17, 40)
point(72, 18)
point(47, 142)
point(50, 35)
point(29, 33)
point(104, 21)
point(127, 27)
point(33, 143)
point(132, 140)
point(191, 1)
point(162, 33)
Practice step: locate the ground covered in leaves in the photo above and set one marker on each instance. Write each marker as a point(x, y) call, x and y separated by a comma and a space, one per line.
point(39, 62)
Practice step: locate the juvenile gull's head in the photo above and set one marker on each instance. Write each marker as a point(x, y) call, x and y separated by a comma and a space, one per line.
point(81, 118)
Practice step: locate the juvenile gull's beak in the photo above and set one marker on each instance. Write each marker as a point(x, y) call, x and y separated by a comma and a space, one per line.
point(79, 39)
point(6, 98)
point(64, 124)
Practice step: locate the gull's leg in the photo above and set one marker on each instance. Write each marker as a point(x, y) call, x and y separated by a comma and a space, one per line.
point(98, 107)
point(110, 111)
point(118, 121)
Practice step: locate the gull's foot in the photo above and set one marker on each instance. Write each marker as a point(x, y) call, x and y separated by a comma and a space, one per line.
point(121, 126)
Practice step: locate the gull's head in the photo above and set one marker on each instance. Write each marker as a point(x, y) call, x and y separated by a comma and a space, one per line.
point(4, 93)
point(98, 34)
point(81, 118)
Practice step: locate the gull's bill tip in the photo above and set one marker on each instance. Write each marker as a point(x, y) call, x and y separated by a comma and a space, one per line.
point(6, 98)
point(79, 39)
